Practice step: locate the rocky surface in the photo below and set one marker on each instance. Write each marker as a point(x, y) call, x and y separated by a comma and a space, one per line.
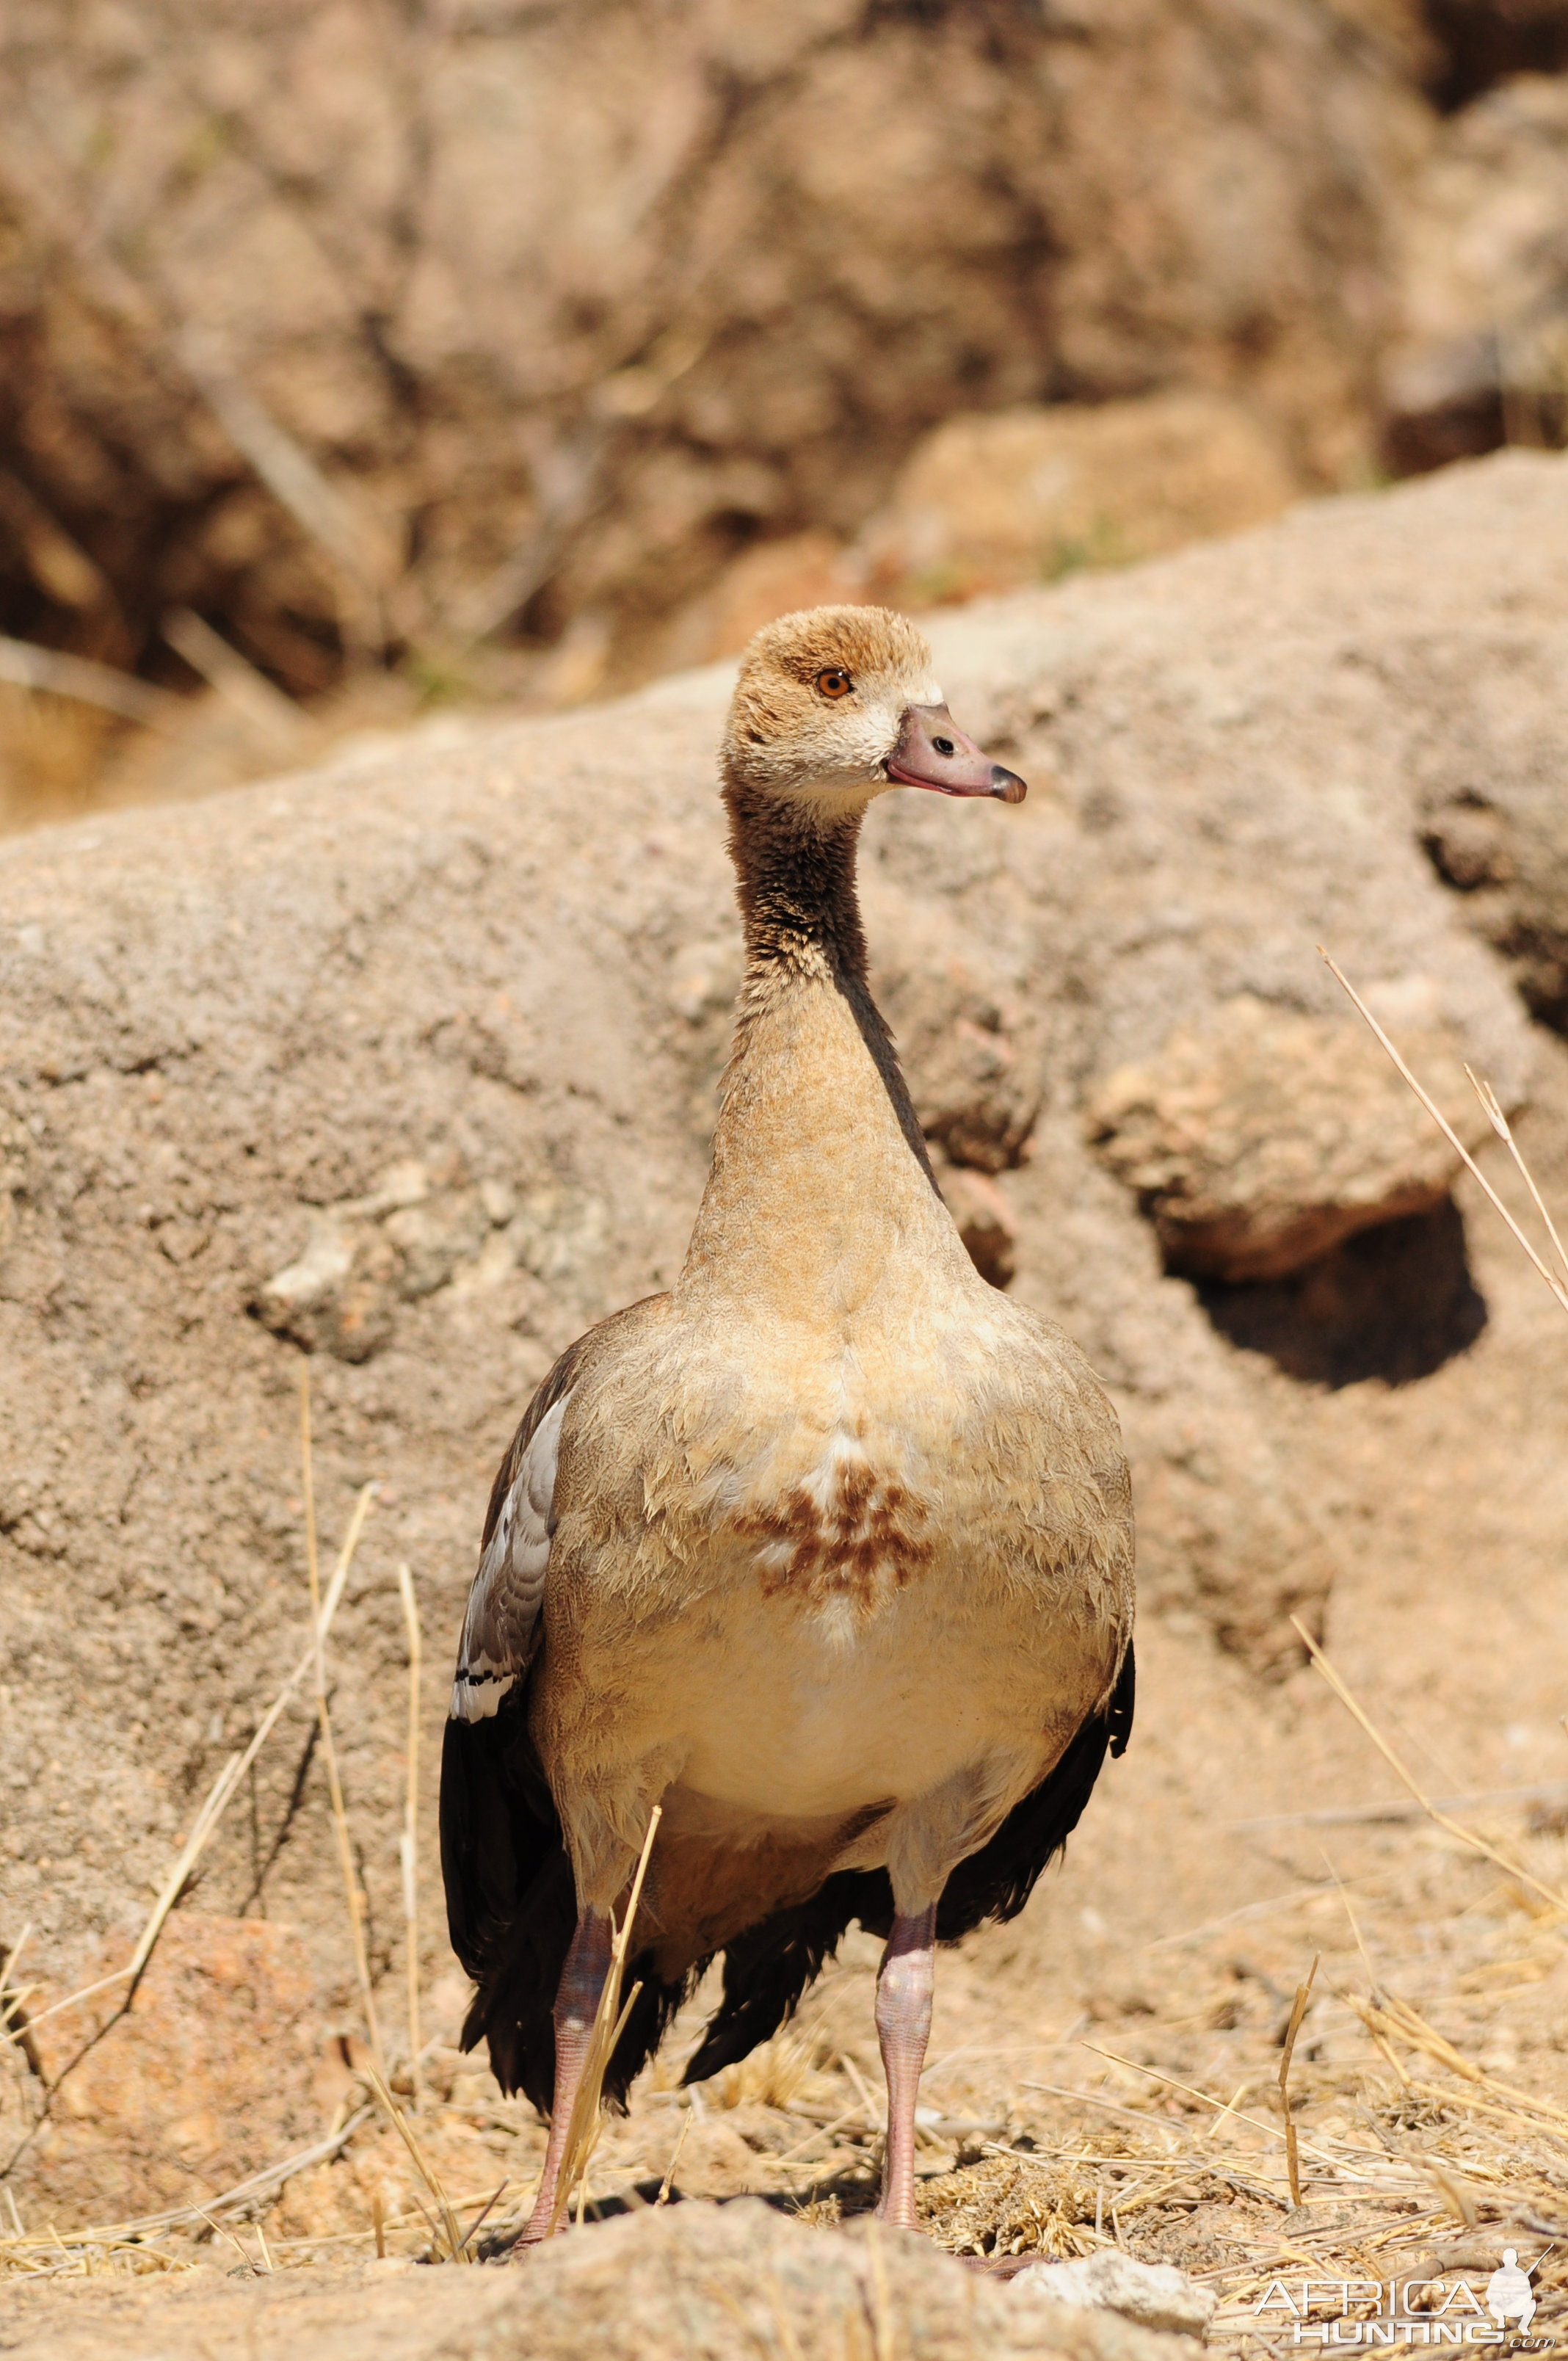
point(216, 2068)
point(343, 326)
point(1157, 2295)
point(695, 2283)
point(1260, 1142)
point(410, 1063)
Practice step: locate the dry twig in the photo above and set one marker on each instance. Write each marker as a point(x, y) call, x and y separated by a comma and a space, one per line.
point(1298, 2011)
point(427, 2173)
point(259, 2189)
point(1558, 1287)
point(1271, 2130)
point(353, 1891)
point(47, 671)
point(249, 693)
point(228, 1779)
point(408, 1844)
point(1457, 1828)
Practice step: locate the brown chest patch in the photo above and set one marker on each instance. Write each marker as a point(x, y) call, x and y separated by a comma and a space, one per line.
point(866, 1535)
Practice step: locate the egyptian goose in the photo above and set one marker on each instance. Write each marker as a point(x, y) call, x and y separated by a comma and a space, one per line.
point(828, 1551)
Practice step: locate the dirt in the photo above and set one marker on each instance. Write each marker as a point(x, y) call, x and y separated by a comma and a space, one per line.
point(508, 965)
point(711, 2283)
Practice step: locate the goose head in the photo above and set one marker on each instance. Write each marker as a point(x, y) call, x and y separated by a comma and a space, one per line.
point(837, 704)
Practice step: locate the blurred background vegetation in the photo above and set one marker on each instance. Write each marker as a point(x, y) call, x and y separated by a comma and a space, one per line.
point(362, 358)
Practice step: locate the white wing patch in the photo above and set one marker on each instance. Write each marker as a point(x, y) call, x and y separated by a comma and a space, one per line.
point(501, 1626)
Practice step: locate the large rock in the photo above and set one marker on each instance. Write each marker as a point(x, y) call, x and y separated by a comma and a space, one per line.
point(1259, 1143)
point(1006, 500)
point(212, 2073)
point(408, 1064)
point(695, 2283)
point(1157, 2295)
point(567, 305)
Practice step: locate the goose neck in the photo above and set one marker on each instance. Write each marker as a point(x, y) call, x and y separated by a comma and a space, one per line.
point(820, 1197)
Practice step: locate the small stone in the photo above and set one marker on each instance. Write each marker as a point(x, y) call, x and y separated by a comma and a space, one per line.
point(1157, 2295)
point(336, 1297)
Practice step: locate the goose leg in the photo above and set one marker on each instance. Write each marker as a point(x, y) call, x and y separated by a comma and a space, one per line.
point(576, 2000)
point(903, 2027)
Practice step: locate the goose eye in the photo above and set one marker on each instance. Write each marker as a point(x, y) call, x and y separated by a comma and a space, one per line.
point(834, 683)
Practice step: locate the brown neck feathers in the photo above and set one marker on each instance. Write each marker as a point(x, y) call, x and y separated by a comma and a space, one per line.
point(796, 872)
point(797, 883)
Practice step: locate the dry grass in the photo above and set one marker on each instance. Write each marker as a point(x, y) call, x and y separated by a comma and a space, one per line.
point(1412, 2143)
point(353, 1891)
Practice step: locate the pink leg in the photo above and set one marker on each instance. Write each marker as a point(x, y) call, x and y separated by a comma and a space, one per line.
point(904, 2027)
point(582, 1981)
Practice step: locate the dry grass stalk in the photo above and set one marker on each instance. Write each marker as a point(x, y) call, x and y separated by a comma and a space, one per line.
point(1352, 1816)
point(47, 671)
point(773, 2075)
point(483, 2215)
point(609, 2020)
point(392, 2220)
point(359, 545)
point(1558, 1286)
point(353, 1891)
point(1463, 2204)
point(862, 2088)
point(268, 713)
point(1549, 1894)
point(13, 1995)
point(408, 1844)
point(220, 2231)
point(668, 2182)
point(1493, 1111)
point(1108, 2106)
point(259, 2189)
point(1395, 2020)
point(399, 2122)
point(229, 1778)
point(1271, 2131)
point(1298, 2011)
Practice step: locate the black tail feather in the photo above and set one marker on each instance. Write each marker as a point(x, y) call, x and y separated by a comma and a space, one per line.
point(767, 1969)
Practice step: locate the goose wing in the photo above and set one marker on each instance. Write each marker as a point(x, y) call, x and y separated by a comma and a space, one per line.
point(501, 1628)
point(511, 1905)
